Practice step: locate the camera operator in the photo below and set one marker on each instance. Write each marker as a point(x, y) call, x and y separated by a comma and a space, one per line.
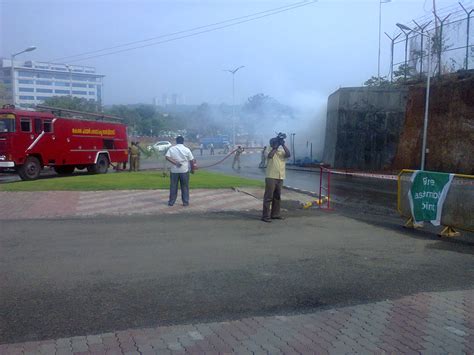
point(275, 174)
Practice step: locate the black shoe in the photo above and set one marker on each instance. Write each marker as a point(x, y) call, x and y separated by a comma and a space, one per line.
point(267, 220)
point(279, 217)
point(170, 204)
point(185, 204)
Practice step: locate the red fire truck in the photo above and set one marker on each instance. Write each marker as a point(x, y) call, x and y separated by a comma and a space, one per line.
point(31, 140)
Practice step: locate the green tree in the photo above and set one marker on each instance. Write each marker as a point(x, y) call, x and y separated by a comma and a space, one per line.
point(72, 103)
point(141, 119)
point(5, 96)
point(381, 82)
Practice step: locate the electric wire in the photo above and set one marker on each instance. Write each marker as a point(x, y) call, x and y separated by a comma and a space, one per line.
point(214, 26)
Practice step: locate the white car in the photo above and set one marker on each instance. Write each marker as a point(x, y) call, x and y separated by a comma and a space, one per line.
point(160, 146)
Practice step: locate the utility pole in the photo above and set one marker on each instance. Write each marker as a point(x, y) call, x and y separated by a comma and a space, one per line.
point(233, 71)
point(380, 34)
point(12, 70)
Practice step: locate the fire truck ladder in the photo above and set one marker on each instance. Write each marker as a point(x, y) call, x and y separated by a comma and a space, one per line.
point(83, 115)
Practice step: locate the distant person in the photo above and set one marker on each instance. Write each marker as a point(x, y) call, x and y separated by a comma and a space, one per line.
point(275, 174)
point(211, 147)
point(238, 153)
point(134, 156)
point(201, 148)
point(181, 157)
point(226, 148)
point(263, 161)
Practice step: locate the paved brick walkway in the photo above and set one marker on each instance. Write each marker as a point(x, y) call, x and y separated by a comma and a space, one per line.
point(61, 204)
point(427, 323)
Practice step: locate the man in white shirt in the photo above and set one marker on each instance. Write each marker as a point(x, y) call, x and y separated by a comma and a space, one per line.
point(180, 157)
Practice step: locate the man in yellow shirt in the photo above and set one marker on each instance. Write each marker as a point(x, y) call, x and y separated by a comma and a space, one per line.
point(275, 175)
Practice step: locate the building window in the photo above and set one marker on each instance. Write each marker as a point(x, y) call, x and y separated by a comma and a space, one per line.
point(44, 90)
point(26, 74)
point(48, 126)
point(79, 78)
point(58, 68)
point(44, 82)
point(90, 71)
point(26, 89)
point(27, 97)
point(42, 98)
point(91, 85)
point(45, 76)
point(38, 125)
point(41, 67)
point(61, 76)
point(60, 83)
point(78, 70)
point(61, 91)
point(25, 81)
point(25, 124)
point(77, 92)
point(92, 93)
point(78, 85)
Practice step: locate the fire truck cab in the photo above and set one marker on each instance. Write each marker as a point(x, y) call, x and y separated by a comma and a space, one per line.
point(31, 140)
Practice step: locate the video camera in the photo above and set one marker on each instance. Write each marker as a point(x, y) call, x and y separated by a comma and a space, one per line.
point(280, 139)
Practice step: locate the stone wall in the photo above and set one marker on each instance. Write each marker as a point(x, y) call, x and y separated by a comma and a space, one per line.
point(363, 127)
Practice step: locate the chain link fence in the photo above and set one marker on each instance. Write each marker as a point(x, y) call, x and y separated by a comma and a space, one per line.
point(447, 34)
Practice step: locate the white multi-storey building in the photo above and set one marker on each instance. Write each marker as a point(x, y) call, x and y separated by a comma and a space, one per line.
point(37, 81)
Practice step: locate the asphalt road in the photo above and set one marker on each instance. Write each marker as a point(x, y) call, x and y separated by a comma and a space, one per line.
point(85, 276)
point(367, 195)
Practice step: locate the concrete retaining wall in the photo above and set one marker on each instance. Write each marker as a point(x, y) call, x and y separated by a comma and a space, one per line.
point(363, 127)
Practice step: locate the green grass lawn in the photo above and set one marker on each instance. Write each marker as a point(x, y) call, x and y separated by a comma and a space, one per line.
point(128, 181)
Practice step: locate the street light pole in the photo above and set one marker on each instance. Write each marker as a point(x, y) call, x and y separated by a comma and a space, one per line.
point(233, 109)
point(380, 34)
point(427, 101)
point(233, 71)
point(29, 49)
point(427, 105)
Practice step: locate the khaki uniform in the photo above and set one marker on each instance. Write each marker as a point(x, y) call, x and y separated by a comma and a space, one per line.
point(134, 156)
point(238, 152)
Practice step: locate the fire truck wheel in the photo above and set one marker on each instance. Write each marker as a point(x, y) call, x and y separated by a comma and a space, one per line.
point(102, 165)
point(30, 170)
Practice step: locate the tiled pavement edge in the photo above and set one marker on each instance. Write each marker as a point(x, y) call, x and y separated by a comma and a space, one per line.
point(427, 323)
point(62, 204)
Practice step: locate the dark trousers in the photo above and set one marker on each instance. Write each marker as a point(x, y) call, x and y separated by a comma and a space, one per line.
point(183, 179)
point(272, 198)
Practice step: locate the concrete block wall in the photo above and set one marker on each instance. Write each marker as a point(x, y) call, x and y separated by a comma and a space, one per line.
point(363, 127)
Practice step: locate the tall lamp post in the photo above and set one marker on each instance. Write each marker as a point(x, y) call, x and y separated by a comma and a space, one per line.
point(427, 102)
point(233, 71)
point(380, 33)
point(29, 49)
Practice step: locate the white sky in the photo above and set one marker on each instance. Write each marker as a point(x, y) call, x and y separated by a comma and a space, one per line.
point(292, 56)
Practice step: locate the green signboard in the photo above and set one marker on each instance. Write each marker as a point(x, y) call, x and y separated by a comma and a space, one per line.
point(427, 194)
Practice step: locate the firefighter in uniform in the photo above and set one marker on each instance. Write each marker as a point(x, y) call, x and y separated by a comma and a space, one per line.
point(134, 156)
point(237, 155)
